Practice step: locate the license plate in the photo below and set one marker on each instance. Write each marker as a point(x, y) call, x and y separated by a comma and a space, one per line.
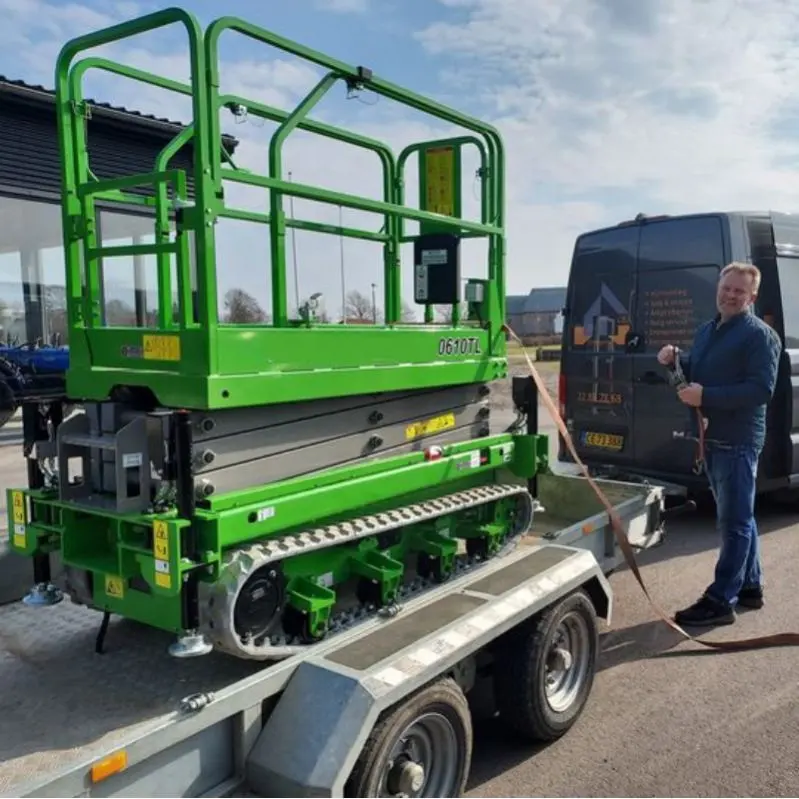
point(603, 440)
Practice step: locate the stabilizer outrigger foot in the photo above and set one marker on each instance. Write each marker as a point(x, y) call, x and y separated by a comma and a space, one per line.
point(99, 641)
point(190, 645)
point(43, 595)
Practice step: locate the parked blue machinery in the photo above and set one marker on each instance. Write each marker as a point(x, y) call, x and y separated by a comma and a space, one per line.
point(30, 372)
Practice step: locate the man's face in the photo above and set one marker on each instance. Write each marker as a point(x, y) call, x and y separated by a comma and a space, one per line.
point(734, 294)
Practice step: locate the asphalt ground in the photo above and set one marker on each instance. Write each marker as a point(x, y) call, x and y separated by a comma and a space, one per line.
point(668, 717)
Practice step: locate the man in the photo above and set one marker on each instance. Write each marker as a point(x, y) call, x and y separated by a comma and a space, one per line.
point(732, 371)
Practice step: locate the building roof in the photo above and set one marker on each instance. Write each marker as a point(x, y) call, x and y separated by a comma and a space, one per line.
point(514, 303)
point(546, 300)
point(41, 95)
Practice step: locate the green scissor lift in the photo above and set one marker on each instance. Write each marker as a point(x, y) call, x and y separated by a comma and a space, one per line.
point(256, 487)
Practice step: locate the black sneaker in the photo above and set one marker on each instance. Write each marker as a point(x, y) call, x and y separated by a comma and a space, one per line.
point(704, 613)
point(751, 597)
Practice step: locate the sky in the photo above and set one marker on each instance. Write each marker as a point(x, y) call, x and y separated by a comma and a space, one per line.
point(607, 108)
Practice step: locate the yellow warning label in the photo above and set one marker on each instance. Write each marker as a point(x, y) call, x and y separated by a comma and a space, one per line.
point(434, 425)
point(161, 540)
point(161, 348)
point(440, 180)
point(18, 513)
point(114, 587)
point(163, 580)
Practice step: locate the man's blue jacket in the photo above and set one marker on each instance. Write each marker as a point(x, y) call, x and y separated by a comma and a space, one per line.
point(736, 364)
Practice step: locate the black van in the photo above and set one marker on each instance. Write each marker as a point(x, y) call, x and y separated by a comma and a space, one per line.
point(649, 282)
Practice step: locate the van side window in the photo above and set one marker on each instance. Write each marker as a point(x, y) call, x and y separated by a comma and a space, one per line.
point(788, 272)
point(682, 242)
point(679, 266)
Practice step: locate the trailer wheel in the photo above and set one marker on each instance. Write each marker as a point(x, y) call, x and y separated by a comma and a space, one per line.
point(421, 747)
point(544, 674)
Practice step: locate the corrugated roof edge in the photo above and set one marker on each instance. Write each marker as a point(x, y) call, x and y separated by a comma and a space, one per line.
point(45, 96)
point(549, 299)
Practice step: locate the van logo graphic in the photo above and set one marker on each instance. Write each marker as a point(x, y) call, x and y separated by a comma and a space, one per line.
point(611, 317)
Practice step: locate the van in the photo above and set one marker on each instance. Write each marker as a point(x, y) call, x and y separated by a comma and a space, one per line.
point(652, 281)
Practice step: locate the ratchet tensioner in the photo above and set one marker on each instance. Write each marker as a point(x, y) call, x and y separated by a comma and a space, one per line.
point(678, 380)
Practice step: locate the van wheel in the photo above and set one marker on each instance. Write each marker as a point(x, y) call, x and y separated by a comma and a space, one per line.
point(545, 671)
point(421, 747)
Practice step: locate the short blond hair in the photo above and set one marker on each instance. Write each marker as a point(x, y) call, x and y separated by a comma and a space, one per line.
point(743, 269)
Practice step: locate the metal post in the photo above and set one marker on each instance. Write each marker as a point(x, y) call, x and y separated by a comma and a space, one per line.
point(140, 286)
point(34, 429)
point(33, 295)
point(341, 253)
point(524, 392)
point(294, 251)
point(186, 505)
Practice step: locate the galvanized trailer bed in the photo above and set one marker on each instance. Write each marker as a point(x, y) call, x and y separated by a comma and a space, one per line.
point(64, 709)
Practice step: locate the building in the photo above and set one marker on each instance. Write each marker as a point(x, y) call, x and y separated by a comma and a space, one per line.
point(32, 279)
point(32, 282)
point(539, 313)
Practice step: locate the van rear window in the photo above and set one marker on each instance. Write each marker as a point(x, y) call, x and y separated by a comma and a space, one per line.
point(601, 287)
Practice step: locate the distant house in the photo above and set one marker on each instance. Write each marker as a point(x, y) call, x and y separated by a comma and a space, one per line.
point(539, 313)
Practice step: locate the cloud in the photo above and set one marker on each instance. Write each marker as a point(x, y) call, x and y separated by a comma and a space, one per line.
point(343, 6)
point(606, 109)
point(677, 103)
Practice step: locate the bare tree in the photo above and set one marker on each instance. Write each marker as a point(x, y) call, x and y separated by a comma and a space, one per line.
point(444, 312)
point(119, 313)
point(358, 306)
point(407, 313)
point(242, 308)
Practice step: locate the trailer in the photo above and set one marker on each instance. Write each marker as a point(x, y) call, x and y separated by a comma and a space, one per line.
point(350, 553)
point(518, 636)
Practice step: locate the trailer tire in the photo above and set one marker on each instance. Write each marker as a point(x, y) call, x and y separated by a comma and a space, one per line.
point(437, 720)
point(521, 669)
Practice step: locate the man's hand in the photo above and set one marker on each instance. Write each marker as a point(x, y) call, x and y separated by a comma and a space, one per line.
point(691, 395)
point(666, 355)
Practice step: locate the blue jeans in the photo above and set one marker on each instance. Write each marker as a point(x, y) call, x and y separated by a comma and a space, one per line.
point(732, 471)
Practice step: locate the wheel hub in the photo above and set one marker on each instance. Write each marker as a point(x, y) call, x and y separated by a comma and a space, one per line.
point(258, 605)
point(424, 760)
point(567, 662)
point(562, 659)
point(408, 777)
